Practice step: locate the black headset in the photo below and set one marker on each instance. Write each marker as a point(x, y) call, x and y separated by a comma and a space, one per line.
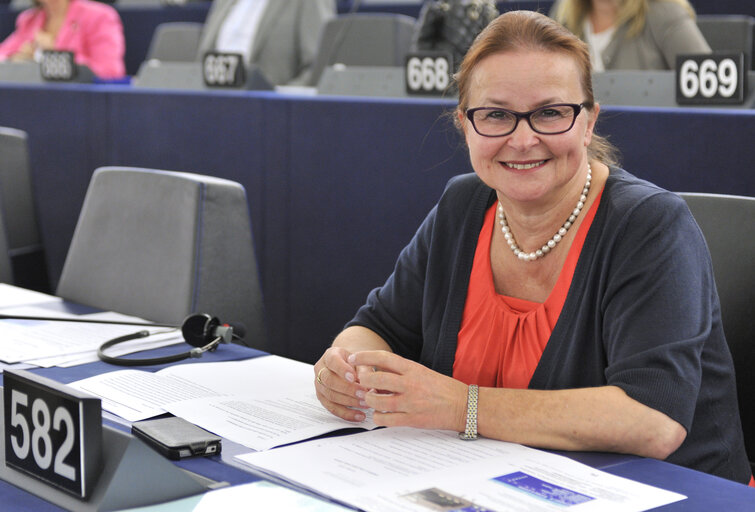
point(202, 331)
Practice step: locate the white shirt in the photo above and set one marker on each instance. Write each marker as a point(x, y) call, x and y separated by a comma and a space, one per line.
point(597, 43)
point(236, 34)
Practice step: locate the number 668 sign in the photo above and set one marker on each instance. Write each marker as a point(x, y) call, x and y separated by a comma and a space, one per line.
point(52, 432)
point(718, 78)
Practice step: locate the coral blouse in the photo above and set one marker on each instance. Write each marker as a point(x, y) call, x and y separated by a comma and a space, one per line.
point(502, 338)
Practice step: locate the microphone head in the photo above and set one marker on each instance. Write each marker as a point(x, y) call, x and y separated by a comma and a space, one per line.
point(198, 329)
point(201, 329)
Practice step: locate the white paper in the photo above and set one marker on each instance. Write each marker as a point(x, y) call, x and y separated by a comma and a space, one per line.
point(404, 469)
point(15, 296)
point(50, 342)
point(259, 403)
point(260, 495)
point(263, 423)
point(136, 395)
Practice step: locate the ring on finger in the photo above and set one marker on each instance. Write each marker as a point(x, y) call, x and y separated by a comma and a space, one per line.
point(320, 373)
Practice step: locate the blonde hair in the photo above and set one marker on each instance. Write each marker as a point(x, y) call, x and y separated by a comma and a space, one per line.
point(572, 14)
point(517, 30)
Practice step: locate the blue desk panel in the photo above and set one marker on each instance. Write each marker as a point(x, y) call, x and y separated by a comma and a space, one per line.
point(336, 186)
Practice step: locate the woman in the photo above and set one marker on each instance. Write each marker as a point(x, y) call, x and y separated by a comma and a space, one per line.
point(633, 34)
point(550, 298)
point(91, 30)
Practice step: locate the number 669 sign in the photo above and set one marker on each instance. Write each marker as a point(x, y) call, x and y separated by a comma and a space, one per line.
point(718, 78)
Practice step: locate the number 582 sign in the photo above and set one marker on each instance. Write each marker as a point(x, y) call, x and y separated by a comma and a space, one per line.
point(718, 78)
point(52, 432)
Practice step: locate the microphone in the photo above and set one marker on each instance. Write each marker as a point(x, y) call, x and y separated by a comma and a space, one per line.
point(200, 329)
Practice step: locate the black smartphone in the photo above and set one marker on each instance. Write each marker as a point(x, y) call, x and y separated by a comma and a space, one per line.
point(176, 438)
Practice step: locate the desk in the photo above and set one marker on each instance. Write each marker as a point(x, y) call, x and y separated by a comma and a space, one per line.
point(336, 186)
point(705, 492)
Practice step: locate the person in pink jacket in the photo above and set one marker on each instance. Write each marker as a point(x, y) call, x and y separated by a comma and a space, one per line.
point(91, 30)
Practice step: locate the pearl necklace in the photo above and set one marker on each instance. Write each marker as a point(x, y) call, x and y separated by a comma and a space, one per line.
point(550, 244)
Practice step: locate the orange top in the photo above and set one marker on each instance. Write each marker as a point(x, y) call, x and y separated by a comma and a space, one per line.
point(502, 338)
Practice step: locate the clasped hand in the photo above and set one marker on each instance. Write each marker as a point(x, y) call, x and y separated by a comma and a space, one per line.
point(401, 392)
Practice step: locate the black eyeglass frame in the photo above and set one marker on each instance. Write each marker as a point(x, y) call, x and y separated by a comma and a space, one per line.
point(526, 115)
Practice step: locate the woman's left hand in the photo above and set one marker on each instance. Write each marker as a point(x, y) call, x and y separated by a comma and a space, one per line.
point(406, 393)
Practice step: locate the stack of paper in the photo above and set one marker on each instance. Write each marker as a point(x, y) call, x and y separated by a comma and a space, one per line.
point(405, 469)
point(259, 403)
point(45, 343)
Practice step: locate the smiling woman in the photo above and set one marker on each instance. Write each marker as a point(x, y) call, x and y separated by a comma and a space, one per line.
point(550, 298)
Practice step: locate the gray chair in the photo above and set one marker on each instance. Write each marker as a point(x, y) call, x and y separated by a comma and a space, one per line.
point(728, 224)
point(6, 270)
point(19, 211)
point(363, 39)
point(175, 41)
point(160, 74)
point(162, 245)
point(729, 32)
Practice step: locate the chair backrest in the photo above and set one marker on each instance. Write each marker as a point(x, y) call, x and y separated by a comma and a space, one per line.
point(16, 191)
point(175, 41)
point(24, 243)
point(728, 224)
point(729, 32)
point(162, 245)
point(6, 270)
point(159, 74)
point(363, 39)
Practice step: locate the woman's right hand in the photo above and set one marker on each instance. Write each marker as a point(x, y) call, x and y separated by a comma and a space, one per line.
point(336, 385)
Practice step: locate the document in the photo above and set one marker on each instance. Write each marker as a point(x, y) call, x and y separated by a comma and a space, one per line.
point(259, 403)
point(405, 469)
point(11, 296)
point(52, 343)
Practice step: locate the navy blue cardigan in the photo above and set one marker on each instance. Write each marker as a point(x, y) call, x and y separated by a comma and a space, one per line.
point(642, 312)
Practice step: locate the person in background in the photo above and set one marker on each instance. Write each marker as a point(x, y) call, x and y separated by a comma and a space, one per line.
point(279, 36)
point(633, 34)
point(91, 30)
point(451, 25)
point(550, 298)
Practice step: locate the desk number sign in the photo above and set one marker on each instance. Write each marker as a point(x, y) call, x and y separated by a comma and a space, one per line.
point(718, 78)
point(428, 73)
point(52, 432)
point(58, 66)
point(223, 70)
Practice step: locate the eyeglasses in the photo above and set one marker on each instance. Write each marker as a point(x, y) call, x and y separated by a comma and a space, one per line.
point(546, 120)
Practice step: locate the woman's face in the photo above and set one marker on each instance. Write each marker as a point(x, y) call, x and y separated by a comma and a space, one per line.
point(526, 167)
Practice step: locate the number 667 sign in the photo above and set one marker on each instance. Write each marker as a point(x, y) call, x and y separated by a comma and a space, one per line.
point(52, 432)
point(718, 78)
